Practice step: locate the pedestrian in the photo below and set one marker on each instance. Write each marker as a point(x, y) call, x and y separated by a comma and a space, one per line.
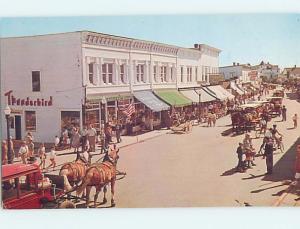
point(214, 118)
point(247, 142)
point(91, 136)
point(283, 112)
point(30, 144)
point(240, 152)
point(11, 151)
point(269, 148)
point(52, 156)
point(209, 119)
point(23, 152)
point(56, 142)
point(295, 120)
point(42, 155)
point(75, 140)
point(4, 152)
point(118, 132)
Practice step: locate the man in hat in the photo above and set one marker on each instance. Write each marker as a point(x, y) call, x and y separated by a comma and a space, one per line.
point(269, 155)
point(283, 112)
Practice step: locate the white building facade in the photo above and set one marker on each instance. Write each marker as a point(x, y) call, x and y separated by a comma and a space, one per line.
point(241, 72)
point(48, 80)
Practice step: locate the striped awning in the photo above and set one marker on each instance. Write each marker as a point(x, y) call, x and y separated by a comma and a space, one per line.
point(151, 101)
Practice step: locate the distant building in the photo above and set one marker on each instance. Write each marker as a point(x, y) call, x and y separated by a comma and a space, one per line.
point(293, 72)
point(237, 71)
point(266, 70)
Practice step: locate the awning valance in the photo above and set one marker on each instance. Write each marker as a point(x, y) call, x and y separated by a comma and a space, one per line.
point(108, 97)
point(151, 101)
point(173, 98)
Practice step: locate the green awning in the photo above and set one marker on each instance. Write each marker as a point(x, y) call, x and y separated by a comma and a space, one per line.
point(173, 98)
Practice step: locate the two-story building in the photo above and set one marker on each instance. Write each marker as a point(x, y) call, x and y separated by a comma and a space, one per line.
point(238, 71)
point(52, 82)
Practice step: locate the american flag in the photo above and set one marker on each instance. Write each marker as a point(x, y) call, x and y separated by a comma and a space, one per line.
point(128, 109)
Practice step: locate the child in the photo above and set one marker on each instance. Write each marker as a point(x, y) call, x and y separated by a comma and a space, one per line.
point(23, 152)
point(240, 153)
point(295, 120)
point(42, 155)
point(52, 157)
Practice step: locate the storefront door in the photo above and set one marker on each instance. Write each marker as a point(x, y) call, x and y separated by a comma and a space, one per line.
point(18, 128)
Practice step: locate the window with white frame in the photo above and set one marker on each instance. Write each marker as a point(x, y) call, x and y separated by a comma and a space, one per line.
point(36, 80)
point(155, 77)
point(171, 73)
point(140, 73)
point(181, 74)
point(91, 73)
point(196, 73)
point(107, 73)
point(163, 73)
point(122, 73)
point(189, 74)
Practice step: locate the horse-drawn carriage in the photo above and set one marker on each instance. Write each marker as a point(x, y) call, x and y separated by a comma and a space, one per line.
point(278, 93)
point(24, 186)
point(182, 126)
point(246, 117)
point(275, 105)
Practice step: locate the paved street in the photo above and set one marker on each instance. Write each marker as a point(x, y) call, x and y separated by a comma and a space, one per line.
point(197, 169)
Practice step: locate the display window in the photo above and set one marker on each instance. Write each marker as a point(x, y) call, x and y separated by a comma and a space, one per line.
point(70, 119)
point(30, 121)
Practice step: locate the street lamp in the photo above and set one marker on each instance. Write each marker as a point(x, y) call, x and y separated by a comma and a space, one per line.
point(7, 112)
point(199, 105)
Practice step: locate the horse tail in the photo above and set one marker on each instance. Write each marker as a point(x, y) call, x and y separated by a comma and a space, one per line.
point(83, 185)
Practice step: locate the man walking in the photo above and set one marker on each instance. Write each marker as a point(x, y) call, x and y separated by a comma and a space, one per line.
point(240, 153)
point(269, 156)
point(283, 112)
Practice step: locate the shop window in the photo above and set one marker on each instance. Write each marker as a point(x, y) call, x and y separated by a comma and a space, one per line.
point(140, 73)
point(91, 73)
point(92, 117)
point(163, 73)
point(122, 73)
point(36, 81)
point(30, 121)
point(107, 73)
point(70, 119)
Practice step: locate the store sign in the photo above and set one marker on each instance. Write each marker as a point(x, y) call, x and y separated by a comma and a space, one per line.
point(13, 101)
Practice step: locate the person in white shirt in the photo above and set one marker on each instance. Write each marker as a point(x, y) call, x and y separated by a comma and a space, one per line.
point(56, 141)
point(23, 152)
point(52, 156)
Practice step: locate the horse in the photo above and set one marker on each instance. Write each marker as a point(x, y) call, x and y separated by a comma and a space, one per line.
point(73, 173)
point(100, 175)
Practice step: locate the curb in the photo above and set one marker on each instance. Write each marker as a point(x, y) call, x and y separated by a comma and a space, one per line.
point(285, 194)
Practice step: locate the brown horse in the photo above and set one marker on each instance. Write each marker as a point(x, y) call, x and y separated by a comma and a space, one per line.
point(100, 175)
point(73, 173)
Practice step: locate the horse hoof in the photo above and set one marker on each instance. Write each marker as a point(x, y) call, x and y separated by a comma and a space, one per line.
point(113, 204)
point(104, 201)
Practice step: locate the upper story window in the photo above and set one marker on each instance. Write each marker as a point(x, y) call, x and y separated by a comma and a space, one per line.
point(181, 74)
point(140, 73)
point(155, 73)
point(163, 73)
point(91, 72)
point(107, 73)
point(189, 74)
point(122, 73)
point(171, 73)
point(196, 72)
point(36, 80)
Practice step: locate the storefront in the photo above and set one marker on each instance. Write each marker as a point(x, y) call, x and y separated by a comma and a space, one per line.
point(153, 111)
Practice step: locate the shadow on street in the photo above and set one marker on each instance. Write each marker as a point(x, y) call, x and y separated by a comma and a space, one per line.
point(284, 169)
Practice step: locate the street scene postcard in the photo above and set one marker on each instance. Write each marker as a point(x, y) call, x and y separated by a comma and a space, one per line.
point(150, 111)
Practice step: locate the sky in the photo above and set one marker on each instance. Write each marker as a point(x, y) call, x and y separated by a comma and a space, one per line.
point(243, 38)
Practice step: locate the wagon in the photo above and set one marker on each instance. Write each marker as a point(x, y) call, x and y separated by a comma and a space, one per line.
point(24, 187)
